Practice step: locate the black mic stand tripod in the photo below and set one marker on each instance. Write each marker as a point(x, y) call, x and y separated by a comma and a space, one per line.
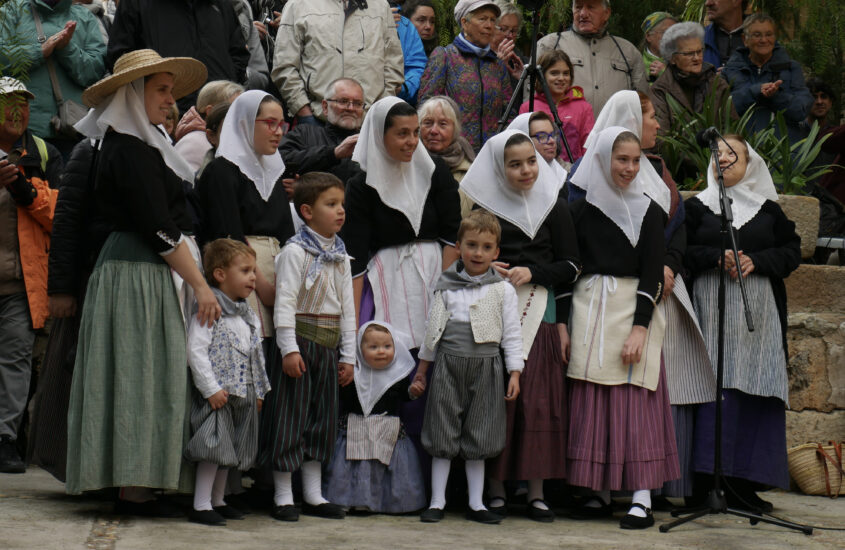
point(716, 502)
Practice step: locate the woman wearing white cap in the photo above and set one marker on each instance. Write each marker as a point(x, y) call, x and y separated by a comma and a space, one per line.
point(127, 418)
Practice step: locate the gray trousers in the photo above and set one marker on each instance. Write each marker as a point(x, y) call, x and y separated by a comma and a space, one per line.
point(16, 341)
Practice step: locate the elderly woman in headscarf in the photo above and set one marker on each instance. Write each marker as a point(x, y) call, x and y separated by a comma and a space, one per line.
point(468, 71)
point(653, 27)
point(128, 412)
point(688, 373)
point(755, 379)
point(402, 218)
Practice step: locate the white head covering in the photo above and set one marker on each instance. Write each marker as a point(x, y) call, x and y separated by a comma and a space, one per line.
point(124, 112)
point(371, 384)
point(402, 186)
point(238, 147)
point(523, 124)
point(626, 208)
point(487, 185)
point(624, 109)
point(755, 188)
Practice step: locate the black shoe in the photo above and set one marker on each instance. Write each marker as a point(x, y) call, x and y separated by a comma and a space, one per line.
point(10, 461)
point(593, 512)
point(432, 515)
point(206, 517)
point(538, 514)
point(482, 516)
point(325, 510)
point(229, 512)
point(287, 512)
point(157, 508)
point(239, 502)
point(499, 510)
point(630, 521)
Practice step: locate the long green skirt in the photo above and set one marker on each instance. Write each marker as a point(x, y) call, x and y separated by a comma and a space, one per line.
point(128, 418)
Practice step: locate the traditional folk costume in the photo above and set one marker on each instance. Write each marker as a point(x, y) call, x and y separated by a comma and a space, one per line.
point(621, 435)
point(756, 385)
point(129, 402)
point(242, 198)
point(523, 124)
point(398, 218)
point(472, 320)
point(227, 356)
point(375, 465)
point(537, 233)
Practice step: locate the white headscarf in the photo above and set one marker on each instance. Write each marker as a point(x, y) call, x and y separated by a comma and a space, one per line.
point(487, 185)
point(755, 188)
point(523, 124)
point(371, 384)
point(124, 112)
point(237, 144)
point(626, 208)
point(624, 109)
point(402, 186)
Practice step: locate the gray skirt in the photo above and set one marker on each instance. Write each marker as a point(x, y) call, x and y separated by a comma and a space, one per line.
point(227, 436)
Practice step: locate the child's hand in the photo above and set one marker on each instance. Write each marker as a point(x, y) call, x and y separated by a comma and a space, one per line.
point(218, 399)
point(513, 386)
point(519, 276)
point(417, 386)
point(565, 343)
point(293, 365)
point(345, 374)
point(259, 404)
point(501, 268)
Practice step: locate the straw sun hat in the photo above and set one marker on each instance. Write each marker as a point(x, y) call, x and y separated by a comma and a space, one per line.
point(188, 73)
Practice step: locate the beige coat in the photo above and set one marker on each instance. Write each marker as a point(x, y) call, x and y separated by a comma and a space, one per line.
point(316, 44)
point(599, 65)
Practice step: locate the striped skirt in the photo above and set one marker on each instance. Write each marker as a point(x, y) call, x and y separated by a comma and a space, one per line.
point(535, 444)
point(299, 417)
point(465, 413)
point(227, 436)
point(620, 437)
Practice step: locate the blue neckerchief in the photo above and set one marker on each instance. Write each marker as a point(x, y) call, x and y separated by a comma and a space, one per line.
point(306, 239)
point(462, 41)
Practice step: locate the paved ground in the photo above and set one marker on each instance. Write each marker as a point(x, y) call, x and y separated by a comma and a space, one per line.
point(35, 513)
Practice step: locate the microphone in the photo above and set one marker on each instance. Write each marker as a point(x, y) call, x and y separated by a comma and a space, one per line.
point(705, 137)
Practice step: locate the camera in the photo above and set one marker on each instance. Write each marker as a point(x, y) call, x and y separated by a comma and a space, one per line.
point(13, 156)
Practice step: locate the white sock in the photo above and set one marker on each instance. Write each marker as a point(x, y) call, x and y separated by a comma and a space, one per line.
point(219, 488)
point(496, 491)
point(206, 472)
point(604, 496)
point(535, 491)
point(475, 484)
point(136, 494)
point(439, 476)
point(283, 495)
point(312, 489)
point(643, 496)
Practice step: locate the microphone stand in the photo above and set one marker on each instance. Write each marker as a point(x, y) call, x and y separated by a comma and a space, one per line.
point(531, 69)
point(716, 502)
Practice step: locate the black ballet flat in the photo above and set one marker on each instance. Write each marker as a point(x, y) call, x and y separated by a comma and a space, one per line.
point(538, 514)
point(285, 513)
point(591, 512)
point(206, 517)
point(156, 508)
point(483, 516)
point(499, 510)
point(326, 510)
point(229, 512)
point(630, 521)
point(432, 515)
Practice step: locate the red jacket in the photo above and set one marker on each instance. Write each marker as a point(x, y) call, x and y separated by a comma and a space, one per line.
point(575, 113)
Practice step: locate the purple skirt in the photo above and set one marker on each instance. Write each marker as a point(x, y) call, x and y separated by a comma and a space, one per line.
point(753, 438)
point(621, 438)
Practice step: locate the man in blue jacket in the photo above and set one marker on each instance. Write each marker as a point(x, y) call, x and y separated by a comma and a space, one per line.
point(724, 33)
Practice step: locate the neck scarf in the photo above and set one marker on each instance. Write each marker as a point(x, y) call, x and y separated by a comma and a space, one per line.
point(124, 112)
point(625, 208)
point(457, 151)
point(231, 307)
point(371, 384)
point(309, 241)
point(748, 196)
point(238, 147)
point(487, 185)
point(623, 109)
point(692, 80)
point(402, 186)
point(522, 123)
point(455, 278)
point(462, 40)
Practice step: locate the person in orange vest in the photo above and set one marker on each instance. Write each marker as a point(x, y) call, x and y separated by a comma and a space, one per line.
point(27, 204)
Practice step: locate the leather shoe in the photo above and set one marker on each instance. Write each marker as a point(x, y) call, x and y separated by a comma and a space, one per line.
point(287, 512)
point(432, 515)
point(229, 512)
point(484, 516)
point(325, 510)
point(593, 512)
point(206, 517)
point(538, 514)
point(630, 521)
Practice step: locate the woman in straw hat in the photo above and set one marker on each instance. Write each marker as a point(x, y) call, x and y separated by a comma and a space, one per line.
point(127, 418)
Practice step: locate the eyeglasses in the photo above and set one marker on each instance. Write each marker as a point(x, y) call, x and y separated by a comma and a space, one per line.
point(758, 35)
point(544, 137)
point(692, 53)
point(347, 103)
point(274, 125)
point(507, 31)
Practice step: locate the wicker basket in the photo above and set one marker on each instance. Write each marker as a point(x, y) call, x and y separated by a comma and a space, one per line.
point(818, 469)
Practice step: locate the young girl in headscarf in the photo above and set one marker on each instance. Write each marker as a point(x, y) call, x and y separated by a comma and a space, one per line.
point(539, 256)
point(375, 466)
point(538, 125)
point(620, 427)
point(756, 384)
